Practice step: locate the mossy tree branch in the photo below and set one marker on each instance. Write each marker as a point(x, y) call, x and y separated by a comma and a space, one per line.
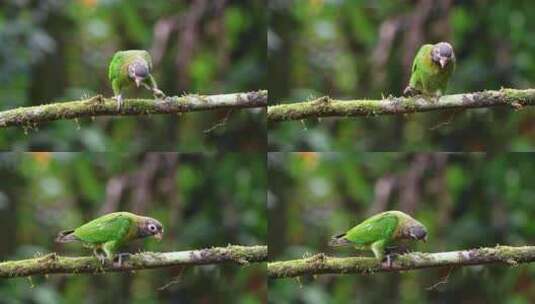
point(327, 107)
point(99, 106)
point(53, 263)
point(322, 264)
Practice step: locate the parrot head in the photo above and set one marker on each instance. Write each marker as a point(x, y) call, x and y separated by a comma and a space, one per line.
point(150, 227)
point(416, 232)
point(138, 71)
point(442, 54)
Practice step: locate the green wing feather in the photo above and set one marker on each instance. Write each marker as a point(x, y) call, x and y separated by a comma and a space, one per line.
point(110, 227)
point(419, 64)
point(379, 227)
point(115, 65)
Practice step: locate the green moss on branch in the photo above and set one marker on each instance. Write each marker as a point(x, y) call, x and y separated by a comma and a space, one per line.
point(53, 263)
point(99, 106)
point(327, 107)
point(321, 264)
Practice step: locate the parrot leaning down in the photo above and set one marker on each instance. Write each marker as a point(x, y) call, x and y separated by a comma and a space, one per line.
point(108, 232)
point(131, 67)
point(431, 70)
point(380, 231)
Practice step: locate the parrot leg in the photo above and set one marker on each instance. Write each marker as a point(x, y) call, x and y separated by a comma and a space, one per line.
point(155, 91)
point(121, 257)
point(389, 260)
point(120, 101)
point(411, 91)
point(100, 255)
point(391, 257)
point(154, 88)
point(117, 91)
point(158, 93)
point(109, 248)
point(378, 249)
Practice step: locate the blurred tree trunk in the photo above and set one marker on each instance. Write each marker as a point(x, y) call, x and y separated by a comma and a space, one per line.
point(281, 41)
point(49, 76)
point(11, 183)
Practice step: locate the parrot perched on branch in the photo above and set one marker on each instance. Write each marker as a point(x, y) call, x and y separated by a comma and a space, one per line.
point(131, 67)
point(380, 231)
point(431, 70)
point(108, 232)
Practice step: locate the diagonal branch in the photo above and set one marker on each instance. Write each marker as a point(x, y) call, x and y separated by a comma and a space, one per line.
point(322, 264)
point(327, 107)
point(98, 106)
point(52, 263)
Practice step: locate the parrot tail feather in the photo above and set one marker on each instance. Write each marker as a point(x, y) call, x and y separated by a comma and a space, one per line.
point(66, 236)
point(339, 240)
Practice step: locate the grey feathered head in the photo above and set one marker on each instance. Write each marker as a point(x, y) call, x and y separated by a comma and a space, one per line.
point(442, 54)
point(417, 232)
point(150, 227)
point(138, 71)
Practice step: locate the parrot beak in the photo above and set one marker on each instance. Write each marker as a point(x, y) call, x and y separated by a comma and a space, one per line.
point(159, 236)
point(138, 81)
point(443, 62)
point(425, 239)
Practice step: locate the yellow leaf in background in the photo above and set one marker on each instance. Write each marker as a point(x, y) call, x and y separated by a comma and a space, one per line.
point(316, 5)
point(89, 3)
point(43, 158)
point(310, 159)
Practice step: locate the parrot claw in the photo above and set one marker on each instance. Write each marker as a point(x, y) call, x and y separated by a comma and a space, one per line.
point(120, 101)
point(102, 259)
point(121, 257)
point(100, 256)
point(158, 93)
point(389, 258)
point(412, 91)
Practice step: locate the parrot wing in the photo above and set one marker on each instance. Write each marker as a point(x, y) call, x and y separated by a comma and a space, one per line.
point(111, 227)
point(115, 65)
point(380, 227)
point(419, 59)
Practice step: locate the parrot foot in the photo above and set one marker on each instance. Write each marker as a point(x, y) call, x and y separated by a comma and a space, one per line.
point(389, 258)
point(121, 257)
point(101, 256)
point(158, 93)
point(102, 259)
point(410, 91)
point(120, 101)
point(155, 91)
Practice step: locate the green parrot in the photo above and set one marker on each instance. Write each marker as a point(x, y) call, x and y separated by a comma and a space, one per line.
point(108, 232)
point(131, 67)
point(431, 70)
point(380, 231)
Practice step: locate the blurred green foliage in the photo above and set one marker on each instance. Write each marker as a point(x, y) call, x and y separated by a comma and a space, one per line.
point(202, 200)
point(465, 201)
point(364, 50)
point(58, 50)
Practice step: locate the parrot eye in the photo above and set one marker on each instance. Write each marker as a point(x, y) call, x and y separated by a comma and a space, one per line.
point(153, 228)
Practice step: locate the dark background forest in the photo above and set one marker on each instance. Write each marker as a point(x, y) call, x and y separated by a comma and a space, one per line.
point(58, 50)
point(465, 201)
point(364, 50)
point(202, 200)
